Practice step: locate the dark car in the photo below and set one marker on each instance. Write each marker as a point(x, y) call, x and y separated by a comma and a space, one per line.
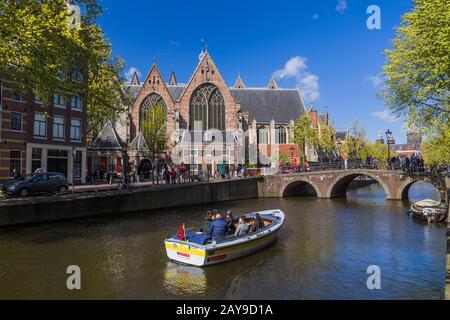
point(36, 183)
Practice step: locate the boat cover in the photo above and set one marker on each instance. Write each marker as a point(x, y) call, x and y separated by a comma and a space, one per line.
point(196, 238)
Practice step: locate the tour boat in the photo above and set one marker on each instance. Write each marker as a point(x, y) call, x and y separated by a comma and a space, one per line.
point(201, 250)
point(429, 211)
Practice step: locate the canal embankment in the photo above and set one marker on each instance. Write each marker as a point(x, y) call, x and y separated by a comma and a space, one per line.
point(47, 209)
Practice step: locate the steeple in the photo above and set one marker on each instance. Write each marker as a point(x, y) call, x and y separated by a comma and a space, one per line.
point(173, 79)
point(273, 84)
point(239, 83)
point(135, 80)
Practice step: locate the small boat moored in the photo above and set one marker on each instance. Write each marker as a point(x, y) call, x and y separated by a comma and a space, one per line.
point(429, 211)
point(200, 249)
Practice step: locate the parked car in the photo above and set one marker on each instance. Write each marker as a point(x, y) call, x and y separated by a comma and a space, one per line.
point(36, 183)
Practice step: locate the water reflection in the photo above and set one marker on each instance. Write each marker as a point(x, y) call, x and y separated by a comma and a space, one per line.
point(183, 280)
point(322, 252)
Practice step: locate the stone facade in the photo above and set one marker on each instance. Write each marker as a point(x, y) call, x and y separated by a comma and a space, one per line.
point(261, 112)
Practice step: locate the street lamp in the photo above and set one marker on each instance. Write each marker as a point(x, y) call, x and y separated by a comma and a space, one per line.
point(389, 140)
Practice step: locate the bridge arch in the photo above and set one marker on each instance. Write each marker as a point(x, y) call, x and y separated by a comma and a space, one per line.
point(300, 187)
point(403, 190)
point(339, 185)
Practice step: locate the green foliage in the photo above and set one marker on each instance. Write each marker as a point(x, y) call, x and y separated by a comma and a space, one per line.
point(376, 150)
point(353, 145)
point(436, 147)
point(154, 129)
point(327, 136)
point(417, 70)
point(305, 134)
point(38, 50)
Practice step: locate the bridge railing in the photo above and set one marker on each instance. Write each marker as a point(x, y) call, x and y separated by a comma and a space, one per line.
point(352, 165)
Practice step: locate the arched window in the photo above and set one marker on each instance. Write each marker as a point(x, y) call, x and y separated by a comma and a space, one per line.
point(281, 135)
point(153, 121)
point(207, 107)
point(263, 135)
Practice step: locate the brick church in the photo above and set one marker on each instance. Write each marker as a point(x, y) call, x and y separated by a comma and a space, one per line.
point(259, 119)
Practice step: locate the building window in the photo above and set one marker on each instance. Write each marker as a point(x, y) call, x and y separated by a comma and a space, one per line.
point(16, 121)
point(40, 125)
point(281, 136)
point(77, 74)
point(207, 106)
point(76, 103)
point(59, 100)
point(263, 135)
point(16, 96)
point(75, 130)
point(111, 164)
point(37, 100)
point(58, 128)
point(15, 160)
point(36, 159)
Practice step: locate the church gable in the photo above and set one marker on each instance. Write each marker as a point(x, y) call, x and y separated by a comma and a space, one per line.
point(154, 83)
point(239, 83)
point(207, 72)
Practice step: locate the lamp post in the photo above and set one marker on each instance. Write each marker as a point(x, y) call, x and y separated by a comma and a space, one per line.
point(389, 140)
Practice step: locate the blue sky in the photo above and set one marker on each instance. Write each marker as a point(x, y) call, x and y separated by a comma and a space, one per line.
point(322, 45)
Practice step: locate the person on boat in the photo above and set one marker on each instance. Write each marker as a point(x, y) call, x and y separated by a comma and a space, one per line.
point(242, 228)
point(230, 220)
point(258, 224)
point(218, 228)
point(207, 224)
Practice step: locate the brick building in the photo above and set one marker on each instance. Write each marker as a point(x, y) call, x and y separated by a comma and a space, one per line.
point(32, 137)
point(206, 102)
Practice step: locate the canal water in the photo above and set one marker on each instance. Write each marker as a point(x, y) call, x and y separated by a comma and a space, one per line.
point(323, 252)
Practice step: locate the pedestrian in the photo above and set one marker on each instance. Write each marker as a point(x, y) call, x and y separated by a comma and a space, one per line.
point(15, 174)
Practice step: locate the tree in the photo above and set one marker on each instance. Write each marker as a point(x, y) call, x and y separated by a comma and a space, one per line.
point(354, 143)
point(436, 147)
point(417, 72)
point(39, 49)
point(418, 68)
point(154, 129)
point(305, 134)
point(376, 150)
point(327, 141)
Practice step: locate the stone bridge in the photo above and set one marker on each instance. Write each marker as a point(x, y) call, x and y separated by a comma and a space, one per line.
point(334, 184)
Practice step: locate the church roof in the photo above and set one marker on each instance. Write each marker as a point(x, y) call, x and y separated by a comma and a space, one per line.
point(262, 104)
point(176, 91)
point(108, 139)
point(139, 144)
point(265, 105)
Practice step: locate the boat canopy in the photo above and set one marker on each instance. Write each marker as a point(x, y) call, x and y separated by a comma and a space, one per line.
point(196, 238)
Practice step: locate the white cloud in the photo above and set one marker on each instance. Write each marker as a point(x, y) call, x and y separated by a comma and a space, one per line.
point(376, 81)
point(174, 43)
point(315, 17)
point(297, 69)
point(130, 72)
point(385, 115)
point(341, 6)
